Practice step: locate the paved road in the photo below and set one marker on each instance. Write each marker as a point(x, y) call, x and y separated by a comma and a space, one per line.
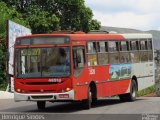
point(144, 108)
point(148, 105)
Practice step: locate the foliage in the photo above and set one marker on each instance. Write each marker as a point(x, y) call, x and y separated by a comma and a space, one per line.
point(6, 13)
point(9, 13)
point(2, 64)
point(3, 85)
point(94, 25)
point(40, 21)
point(49, 15)
point(74, 15)
point(146, 91)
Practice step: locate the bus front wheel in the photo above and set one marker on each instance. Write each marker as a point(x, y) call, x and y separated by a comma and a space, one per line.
point(41, 105)
point(87, 103)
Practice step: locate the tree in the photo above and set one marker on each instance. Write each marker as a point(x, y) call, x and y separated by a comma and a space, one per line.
point(94, 25)
point(75, 15)
point(6, 13)
point(48, 15)
point(41, 21)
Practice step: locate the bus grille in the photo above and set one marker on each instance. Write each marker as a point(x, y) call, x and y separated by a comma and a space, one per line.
point(44, 91)
point(42, 97)
point(39, 83)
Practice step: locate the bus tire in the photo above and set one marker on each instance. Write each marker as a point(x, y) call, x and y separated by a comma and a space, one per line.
point(132, 95)
point(41, 105)
point(123, 97)
point(129, 97)
point(87, 103)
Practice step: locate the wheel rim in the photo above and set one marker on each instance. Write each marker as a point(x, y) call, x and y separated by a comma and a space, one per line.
point(133, 93)
point(90, 97)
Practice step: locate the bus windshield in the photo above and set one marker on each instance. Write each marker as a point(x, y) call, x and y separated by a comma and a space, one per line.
point(42, 62)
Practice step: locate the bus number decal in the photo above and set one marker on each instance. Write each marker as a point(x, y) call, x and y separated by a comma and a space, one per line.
point(55, 80)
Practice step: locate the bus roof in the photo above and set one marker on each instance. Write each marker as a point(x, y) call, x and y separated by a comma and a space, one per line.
point(96, 36)
point(137, 35)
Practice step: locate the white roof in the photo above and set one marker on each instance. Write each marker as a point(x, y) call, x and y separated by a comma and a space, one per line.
point(137, 35)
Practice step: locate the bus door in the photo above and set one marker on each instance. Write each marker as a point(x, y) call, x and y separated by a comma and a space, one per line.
point(80, 72)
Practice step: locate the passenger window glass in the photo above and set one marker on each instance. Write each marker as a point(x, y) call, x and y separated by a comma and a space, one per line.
point(92, 59)
point(144, 56)
point(149, 45)
point(102, 58)
point(150, 55)
point(124, 57)
point(102, 46)
point(135, 57)
point(134, 45)
point(91, 47)
point(143, 45)
point(113, 58)
point(124, 46)
point(112, 46)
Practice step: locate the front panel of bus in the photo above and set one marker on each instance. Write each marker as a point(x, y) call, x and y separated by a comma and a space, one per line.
point(43, 69)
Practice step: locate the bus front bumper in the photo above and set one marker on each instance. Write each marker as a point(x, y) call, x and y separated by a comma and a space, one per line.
point(66, 96)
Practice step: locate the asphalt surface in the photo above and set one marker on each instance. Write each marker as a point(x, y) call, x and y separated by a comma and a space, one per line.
point(103, 106)
point(108, 109)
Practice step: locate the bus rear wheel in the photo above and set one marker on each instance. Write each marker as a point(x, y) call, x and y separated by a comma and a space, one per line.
point(130, 96)
point(41, 105)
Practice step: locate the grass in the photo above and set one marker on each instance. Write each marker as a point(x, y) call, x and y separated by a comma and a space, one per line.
point(146, 91)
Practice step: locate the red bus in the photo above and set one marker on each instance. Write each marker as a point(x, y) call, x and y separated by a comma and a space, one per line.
point(81, 67)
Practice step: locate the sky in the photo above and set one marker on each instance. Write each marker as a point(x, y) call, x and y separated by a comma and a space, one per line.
point(136, 14)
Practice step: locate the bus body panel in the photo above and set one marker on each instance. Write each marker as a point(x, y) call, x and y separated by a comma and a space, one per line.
point(144, 73)
point(100, 76)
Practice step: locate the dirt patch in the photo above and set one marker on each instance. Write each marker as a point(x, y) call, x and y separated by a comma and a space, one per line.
point(151, 95)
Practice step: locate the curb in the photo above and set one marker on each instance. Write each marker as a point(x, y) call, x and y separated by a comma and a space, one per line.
point(6, 95)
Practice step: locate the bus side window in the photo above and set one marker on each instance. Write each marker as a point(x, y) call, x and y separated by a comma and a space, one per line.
point(134, 53)
point(143, 50)
point(78, 60)
point(149, 44)
point(150, 52)
point(124, 52)
point(143, 45)
point(113, 48)
point(92, 53)
point(103, 53)
point(134, 45)
point(91, 47)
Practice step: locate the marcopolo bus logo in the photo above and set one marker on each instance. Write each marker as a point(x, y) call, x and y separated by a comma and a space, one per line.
point(92, 71)
point(55, 80)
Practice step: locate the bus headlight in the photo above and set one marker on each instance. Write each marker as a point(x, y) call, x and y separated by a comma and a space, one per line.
point(68, 89)
point(18, 90)
point(65, 90)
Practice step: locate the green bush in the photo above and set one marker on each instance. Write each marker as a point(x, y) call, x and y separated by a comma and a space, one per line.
point(146, 91)
point(2, 65)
